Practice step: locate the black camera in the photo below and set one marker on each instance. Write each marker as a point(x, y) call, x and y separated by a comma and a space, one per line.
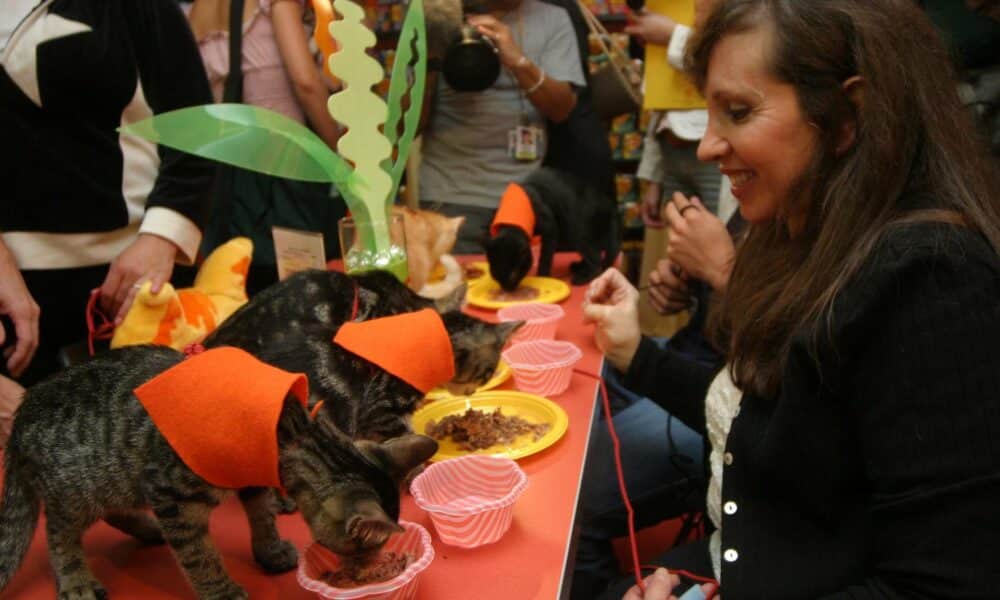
point(470, 62)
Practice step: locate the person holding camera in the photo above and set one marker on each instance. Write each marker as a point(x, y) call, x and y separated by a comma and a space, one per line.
point(476, 142)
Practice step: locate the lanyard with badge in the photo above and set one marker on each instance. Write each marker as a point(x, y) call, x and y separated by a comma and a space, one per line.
point(524, 140)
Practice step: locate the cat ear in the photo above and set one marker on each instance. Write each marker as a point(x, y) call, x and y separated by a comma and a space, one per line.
point(400, 455)
point(457, 222)
point(454, 300)
point(506, 329)
point(369, 526)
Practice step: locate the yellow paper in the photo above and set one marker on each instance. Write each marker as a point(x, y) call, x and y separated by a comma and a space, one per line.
point(666, 87)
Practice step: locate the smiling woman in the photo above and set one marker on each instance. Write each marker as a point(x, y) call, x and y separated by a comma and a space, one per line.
point(860, 319)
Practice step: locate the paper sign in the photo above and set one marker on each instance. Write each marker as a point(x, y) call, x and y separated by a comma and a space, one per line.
point(297, 250)
point(666, 87)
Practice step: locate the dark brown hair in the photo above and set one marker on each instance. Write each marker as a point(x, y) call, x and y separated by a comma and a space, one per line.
point(916, 148)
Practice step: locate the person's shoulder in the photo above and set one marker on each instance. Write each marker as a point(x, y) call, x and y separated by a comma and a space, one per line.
point(548, 11)
point(936, 242)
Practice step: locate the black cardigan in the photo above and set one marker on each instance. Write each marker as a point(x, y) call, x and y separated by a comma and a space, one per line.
point(875, 474)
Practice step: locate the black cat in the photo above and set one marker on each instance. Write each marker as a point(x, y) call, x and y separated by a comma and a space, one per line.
point(570, 214)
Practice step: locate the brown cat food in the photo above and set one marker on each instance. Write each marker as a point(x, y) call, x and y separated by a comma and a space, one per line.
point(354, 573)
point(474, 272)
point(475, 429)
point(521, 294)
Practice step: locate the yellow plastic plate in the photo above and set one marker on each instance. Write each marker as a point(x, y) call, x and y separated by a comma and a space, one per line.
point(529, 407)
point(550, 291)
point(501, 375)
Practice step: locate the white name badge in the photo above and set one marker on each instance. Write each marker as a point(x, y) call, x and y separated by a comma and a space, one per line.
point(296, 250)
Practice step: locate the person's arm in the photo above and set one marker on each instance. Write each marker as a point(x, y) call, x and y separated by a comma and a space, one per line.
point(172, 76)
point(16, 302)
point(310, 90)
point(924, 390)
point(554, 98)
point(11, 394)
point(669, 379)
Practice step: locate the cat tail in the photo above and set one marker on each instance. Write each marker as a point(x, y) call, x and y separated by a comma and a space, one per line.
point(19, 512)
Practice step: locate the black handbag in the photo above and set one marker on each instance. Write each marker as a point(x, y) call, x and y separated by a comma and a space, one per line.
point(249, 204)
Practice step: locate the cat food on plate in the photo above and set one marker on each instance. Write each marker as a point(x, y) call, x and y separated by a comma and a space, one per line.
point(392, 575)
point(474, 272)
point(477, 429)
point(383, 566)
point(521, 294)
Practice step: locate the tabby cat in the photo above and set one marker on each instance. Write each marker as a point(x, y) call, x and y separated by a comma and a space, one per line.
point(291, 324)
point(326, 299)
point(367, 402)
point(83, 445)
point(570, 214)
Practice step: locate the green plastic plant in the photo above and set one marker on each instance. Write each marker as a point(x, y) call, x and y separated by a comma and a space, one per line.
point(261, 140)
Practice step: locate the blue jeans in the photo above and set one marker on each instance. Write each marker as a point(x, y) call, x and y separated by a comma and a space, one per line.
point(662, 462)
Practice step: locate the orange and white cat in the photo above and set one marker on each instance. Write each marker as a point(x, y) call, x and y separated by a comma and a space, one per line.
point(430, 237)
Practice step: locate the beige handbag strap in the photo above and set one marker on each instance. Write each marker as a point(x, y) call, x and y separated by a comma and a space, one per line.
point(624, 67)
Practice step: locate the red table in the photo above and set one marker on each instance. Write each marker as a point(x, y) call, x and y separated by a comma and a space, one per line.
point(532, 561)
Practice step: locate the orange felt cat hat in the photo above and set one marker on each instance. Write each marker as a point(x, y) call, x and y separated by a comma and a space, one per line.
point(219, 411)
point(515, 209)
point(412, 346)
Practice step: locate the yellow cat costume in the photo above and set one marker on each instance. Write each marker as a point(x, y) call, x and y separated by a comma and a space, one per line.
point(177, 318)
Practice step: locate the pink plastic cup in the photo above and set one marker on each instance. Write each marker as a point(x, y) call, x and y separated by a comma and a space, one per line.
point(542, 367)
point(470, 498)
point(414, 540)
point(540, 320)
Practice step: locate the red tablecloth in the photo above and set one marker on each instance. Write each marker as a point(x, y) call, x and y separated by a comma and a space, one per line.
point(529, 562)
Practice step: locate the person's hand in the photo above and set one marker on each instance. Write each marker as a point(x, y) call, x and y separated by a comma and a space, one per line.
point(668, 289)
point(611, 303)
point(660, 585)
point(698, 242)
point(11, 394)
point(497, 31)
point(16, 302)
point(651, 206)
point(652, 28)
point(148, 258)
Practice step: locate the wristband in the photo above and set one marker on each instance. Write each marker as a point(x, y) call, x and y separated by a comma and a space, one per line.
point(535, 87)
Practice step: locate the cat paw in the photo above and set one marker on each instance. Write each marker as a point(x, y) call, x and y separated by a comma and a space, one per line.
point(582, 273)
point(230, 591)
point(284, 505)
point(278, 557)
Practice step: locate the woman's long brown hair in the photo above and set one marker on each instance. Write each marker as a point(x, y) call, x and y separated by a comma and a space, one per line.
point(916, 147)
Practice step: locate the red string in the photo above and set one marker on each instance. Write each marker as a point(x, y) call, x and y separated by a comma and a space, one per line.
point(103, 331)
point(633, 544)
point(634, 547)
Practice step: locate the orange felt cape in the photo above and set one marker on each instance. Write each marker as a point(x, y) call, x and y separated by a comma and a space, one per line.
point(515, 209)
point(412, 346)
point(219, 411)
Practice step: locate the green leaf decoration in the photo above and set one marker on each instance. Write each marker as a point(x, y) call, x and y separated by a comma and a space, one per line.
point(411, 52)
point(249, 137)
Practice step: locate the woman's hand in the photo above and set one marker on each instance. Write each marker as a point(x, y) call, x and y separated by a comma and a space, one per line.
point(668, 289)
point(497, 32)
point(149, 257)
point(16, 302)
point(611, 303)
point(11, 394)
point(660, 585)
point(652, 28)
point(651, 215)
point(698, 242)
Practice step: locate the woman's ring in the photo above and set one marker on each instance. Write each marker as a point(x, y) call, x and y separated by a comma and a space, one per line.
point(684, 208)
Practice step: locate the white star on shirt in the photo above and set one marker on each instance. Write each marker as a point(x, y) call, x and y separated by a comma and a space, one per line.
point(19, 55)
